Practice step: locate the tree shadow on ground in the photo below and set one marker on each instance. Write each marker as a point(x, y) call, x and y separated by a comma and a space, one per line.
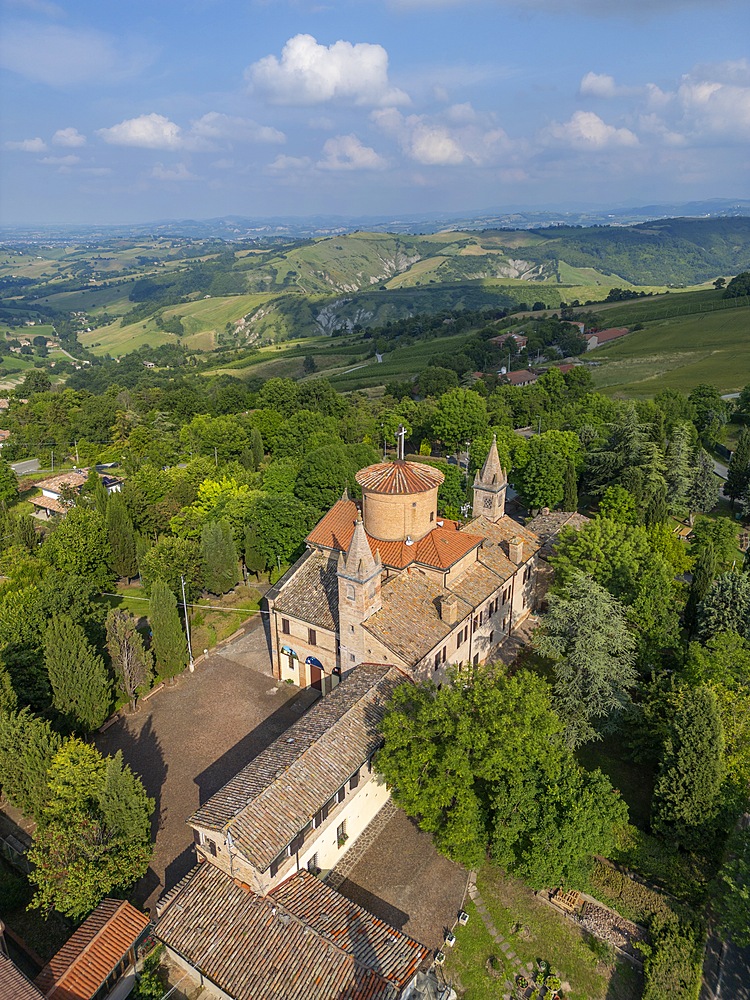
point(216, 775)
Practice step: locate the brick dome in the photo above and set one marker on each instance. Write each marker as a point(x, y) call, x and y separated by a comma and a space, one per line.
point(399, 478)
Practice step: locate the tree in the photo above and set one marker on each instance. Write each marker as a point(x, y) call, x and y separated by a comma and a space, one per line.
point(80, 685)
point(79, 545)
point(704, 486)
point(731, 890)
point(686, 798)
point(8, 696)
point(281, 524)
point(720, 282)
point(131, 661)
point(434, 381)
point(255, 561)
point(121, 537)
point(170, 560)
point(460, 416)
point(94, 493)
point(27, 746)
point(8, 485)
point(704, 574)
point(721, 533)
point(570, 494)
point(218, 557)
point(679, 462)
point(618, 505)
point(726, 607)
point(586, 632)
point(738, 287)
point(543, 467)
point(169, 642)
point(94, 836)
point(711, 413)
point(738, 473)
point(479, 763)
point(256, 446)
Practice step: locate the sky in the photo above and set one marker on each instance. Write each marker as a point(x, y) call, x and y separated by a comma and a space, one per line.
point(118, 112)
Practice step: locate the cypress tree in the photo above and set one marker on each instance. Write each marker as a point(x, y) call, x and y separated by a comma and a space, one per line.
point(570, 496)
point(704, 489)
point(726, 607)
point(169, 643)
point(95, 492)
point(218, 557)
point(256, 444)
point(24, 532)
point(121, 536)
point(27, 746)
point(738, 473)
point(255, 561)
point(679, 469)
point(80, 686)
point(704, 573)
point(131, 661)
point(686, 797)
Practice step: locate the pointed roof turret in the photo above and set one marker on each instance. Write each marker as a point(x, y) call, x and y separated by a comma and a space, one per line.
point(359, 563)
point(492, 473)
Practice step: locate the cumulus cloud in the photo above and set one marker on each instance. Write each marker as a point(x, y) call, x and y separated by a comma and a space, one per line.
point(310, 73)
point(347, 152)
point(36, 145)
point(215, 125)
point(601, 85)
point(177, 172)
point(711, 107)
point(585, 130)
point(61, 161)
point(458, 137)
point(70, 137)
point(146, 131)
point(284, 164)
point(63, 57)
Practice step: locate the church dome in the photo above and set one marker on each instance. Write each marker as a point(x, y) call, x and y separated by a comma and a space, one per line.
point(399, 478)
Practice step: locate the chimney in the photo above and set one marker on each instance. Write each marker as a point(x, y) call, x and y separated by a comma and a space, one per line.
point(449, 609)
point(515, 550)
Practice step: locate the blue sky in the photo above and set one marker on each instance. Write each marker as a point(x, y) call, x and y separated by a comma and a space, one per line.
point(136, 111)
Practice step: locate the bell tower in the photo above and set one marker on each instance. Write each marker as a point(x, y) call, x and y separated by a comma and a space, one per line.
point(489, 487)
point(359, 576)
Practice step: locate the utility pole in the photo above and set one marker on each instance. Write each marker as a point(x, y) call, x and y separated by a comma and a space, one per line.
point(216, 456)
point(187, 625)
point(53, 460)
point(76, 453)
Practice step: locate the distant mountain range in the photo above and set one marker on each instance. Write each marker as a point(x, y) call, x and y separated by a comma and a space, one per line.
point(242, 229)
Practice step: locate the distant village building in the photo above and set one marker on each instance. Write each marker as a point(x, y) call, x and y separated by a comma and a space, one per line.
point(4, 437)
point(604, 336)
point(51, 500)
point(392, 582)
point(519, 341)
point(523, 377)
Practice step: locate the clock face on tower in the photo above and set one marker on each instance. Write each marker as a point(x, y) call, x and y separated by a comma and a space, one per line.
point(487, 502)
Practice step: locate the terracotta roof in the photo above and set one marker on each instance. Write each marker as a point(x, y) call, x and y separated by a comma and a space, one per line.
point(48, 503)
point(440, 548)
point(312, 593)
point(523, 377)
point(303, 941)
point(274, 796)
point(548, 526)
point(13, 984)
point(612, 333)
point(82, 964)
point(399, 477)
point(409, 621)
point(54, 484)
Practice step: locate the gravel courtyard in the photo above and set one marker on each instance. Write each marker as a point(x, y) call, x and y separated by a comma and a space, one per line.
point(190, 738)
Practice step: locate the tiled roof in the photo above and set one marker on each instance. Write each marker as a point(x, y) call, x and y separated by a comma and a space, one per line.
point(409, 621)
point(54, 484)
point(476, 584)
point(602, 336)
point(523, 377)
point(548, 526)
point(274, 796)
point(497, 535)
point(48, 503)
point(13, 984)
point(312, 593)
point(303, 941)
point(440, 548)
point(82, 964)
point(399, 477)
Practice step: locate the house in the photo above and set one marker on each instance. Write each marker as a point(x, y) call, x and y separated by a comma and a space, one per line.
point(390, 581)
point(51, 501)
point(13, 983)
point(304, 801)
point(519, 340)
point(522, 377)
point(99, 953)
point(604, 336)
point(4, 436)
point(302, 941)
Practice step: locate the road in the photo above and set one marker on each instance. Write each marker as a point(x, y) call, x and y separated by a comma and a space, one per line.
point(720, 469)
point(26, 467)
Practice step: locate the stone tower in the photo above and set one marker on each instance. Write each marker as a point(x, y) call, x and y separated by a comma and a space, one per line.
point(489, 487)
point(359, 576)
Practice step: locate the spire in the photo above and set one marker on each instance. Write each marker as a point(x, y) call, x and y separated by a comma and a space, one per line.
point(359, 563)
point(492, 473)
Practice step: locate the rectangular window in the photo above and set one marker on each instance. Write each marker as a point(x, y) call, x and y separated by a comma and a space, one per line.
point(443, 654)
point(475, 626)
point(476, 659)
point(353, 781)
point(285, 626)
point(312, 637)
point(312, 865)
point(275, 865)
point(340, 795)
point(197, 836)
point(341, 834)
point(492, 637)
point(437, 660)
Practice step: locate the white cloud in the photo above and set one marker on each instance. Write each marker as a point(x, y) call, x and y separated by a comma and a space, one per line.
point(284, 163)
point(61, 161)
point(585, 130)
point(36, 145)
point(711, 107)
point(215, 125)
point(178, 172)
point(146, 131)
point(433, 145)
point(70, 137)
point(598, 85)
point(62, 57)
point(441, 141)
point(347, 152)
point(309, 73)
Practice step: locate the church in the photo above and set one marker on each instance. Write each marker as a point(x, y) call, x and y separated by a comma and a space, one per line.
point(389, 581)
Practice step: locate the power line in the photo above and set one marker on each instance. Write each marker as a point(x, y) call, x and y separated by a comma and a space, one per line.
point(202, 607)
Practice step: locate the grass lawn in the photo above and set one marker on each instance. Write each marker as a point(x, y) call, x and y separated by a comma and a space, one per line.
point(534, 931)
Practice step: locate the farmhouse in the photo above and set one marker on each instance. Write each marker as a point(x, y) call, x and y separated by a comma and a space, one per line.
point(53, 489)
point(523, 377)
point(392, 582)
point(604, 336)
